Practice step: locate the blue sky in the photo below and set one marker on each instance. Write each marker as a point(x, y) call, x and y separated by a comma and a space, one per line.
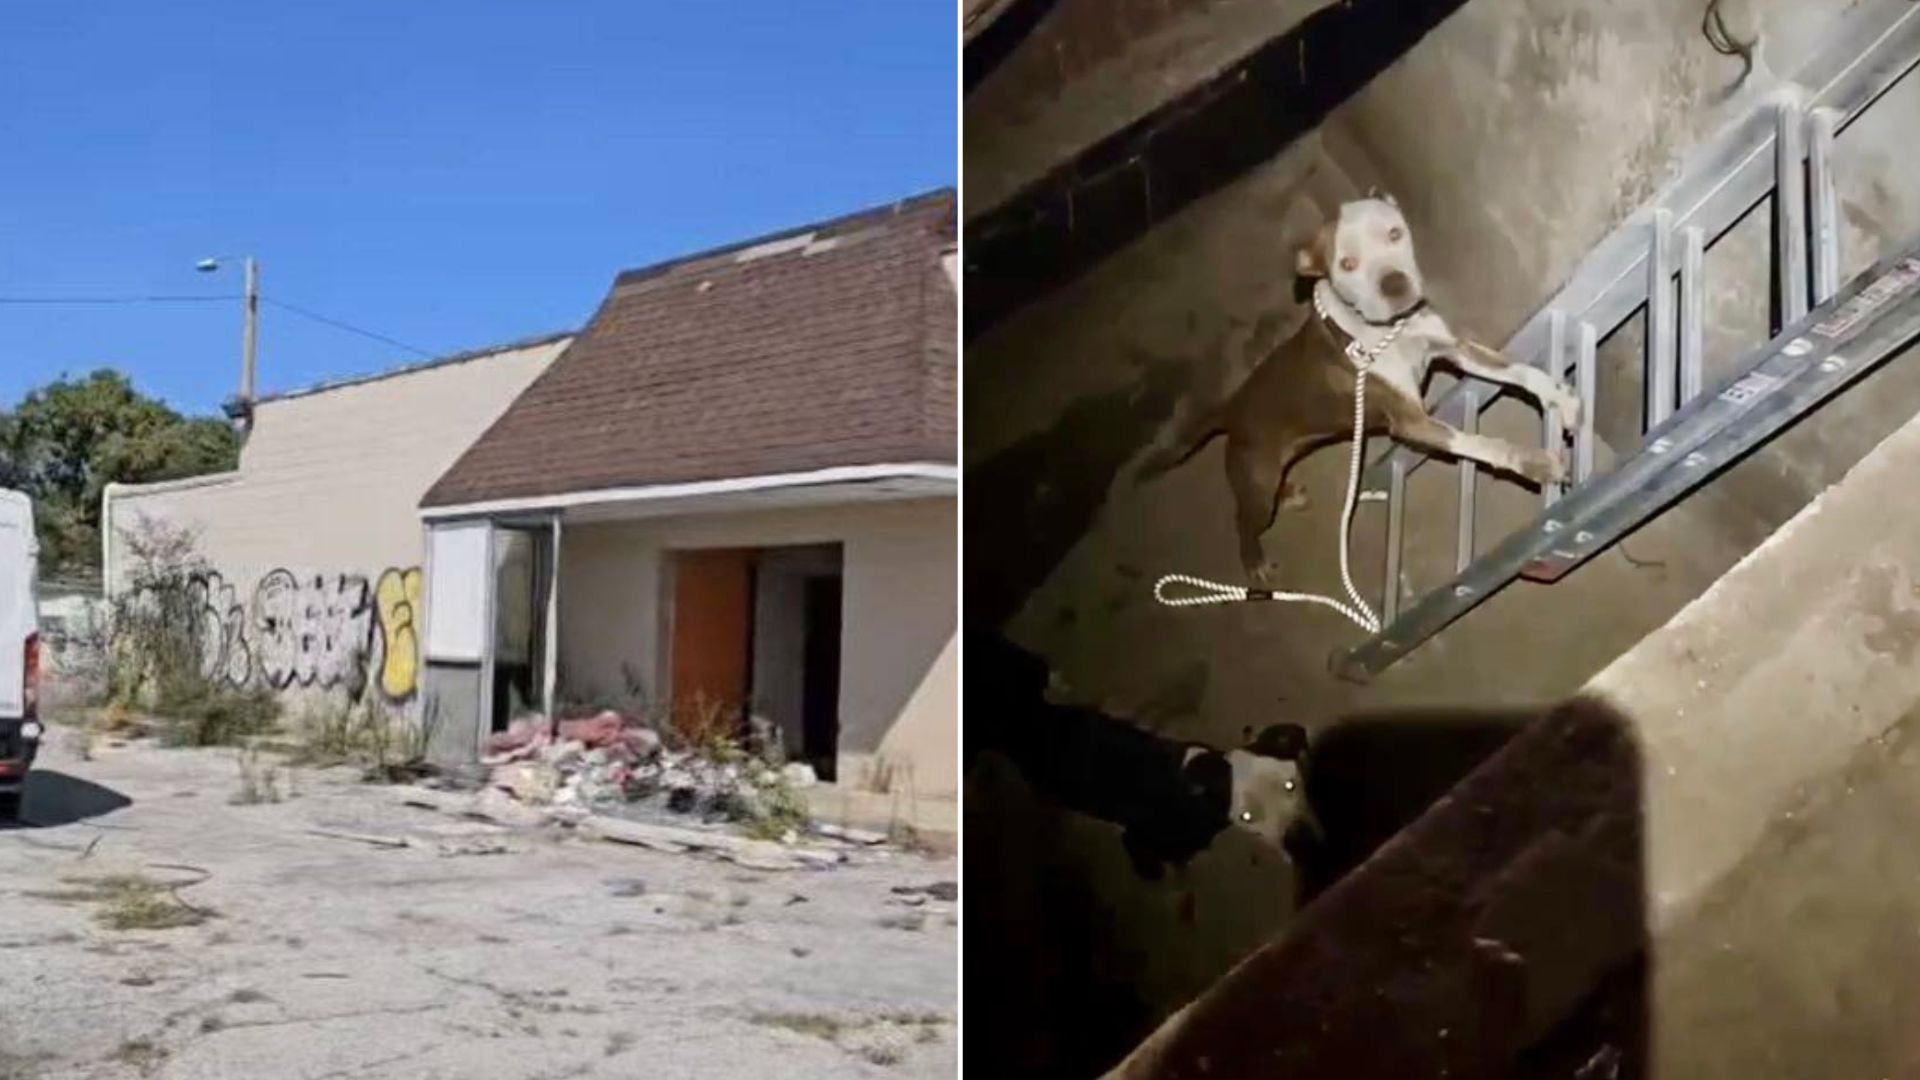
point(450, 175)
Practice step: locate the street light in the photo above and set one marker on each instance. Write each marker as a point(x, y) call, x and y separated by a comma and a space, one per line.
point(241, 409)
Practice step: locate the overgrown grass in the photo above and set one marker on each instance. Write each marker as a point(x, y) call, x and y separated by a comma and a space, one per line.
point(128, 901)
point(259, 778)
point(197, 712)
point(387, 748)
point(880, 1040)
point(143, 1055)
point(819, 1025)
point(774, 808)
point(154, 655)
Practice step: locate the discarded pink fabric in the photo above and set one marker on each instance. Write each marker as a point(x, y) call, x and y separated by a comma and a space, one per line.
point(612, 732)
point(601, 730)
point(523, 738)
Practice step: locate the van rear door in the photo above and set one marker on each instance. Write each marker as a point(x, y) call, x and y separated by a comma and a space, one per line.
point(17, 616)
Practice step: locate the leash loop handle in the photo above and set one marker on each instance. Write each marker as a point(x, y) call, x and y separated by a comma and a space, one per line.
point(1356, 610)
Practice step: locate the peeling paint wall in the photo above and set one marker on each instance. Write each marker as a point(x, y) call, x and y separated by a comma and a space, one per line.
point(1514, 137)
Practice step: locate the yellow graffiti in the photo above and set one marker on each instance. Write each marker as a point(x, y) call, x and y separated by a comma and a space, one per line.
point(397, 604)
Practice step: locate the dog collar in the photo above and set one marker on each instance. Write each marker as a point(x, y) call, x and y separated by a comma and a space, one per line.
point(1362, 355)
point(1350, 308)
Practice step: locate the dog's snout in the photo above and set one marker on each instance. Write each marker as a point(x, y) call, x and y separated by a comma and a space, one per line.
point(1395, 285)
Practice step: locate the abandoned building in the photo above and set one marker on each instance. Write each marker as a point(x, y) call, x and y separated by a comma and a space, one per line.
point(732, 493)
point(736, 486)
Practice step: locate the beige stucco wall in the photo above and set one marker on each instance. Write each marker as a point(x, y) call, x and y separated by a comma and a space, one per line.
point(899, 686)
point(327, 490)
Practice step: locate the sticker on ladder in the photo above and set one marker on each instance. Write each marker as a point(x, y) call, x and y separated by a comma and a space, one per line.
point(1750, 386)
point(1898, 279)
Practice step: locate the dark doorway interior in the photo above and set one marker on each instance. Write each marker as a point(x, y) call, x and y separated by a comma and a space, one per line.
point(522, 561)
point(795, 659)
point(820, 676)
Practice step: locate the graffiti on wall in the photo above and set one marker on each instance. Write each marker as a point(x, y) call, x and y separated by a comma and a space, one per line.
point(397, 604)
point(315, 630)
point(224, 653)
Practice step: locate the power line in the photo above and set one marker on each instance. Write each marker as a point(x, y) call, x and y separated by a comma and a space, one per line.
point(305, 313)
point(348, 327)
point(28, 300)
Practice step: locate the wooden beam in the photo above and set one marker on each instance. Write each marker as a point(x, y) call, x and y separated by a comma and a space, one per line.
point(993, 29)
point(1108, 195)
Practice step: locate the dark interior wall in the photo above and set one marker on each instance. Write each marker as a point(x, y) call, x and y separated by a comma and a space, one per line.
point(1516, 135)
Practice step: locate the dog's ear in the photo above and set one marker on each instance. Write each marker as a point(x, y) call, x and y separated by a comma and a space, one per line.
point(1287, 742)
point(1383, 196)
point(1315, 256)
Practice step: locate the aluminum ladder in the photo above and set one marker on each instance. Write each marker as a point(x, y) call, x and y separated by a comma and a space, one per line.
point(1826, 335)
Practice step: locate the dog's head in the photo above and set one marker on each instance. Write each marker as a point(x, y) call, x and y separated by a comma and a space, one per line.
point(1269, 788)
point(1366, 255)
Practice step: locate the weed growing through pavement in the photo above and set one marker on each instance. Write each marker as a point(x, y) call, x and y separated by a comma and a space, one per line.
point(880, 1040)
point(259, 778)
point(129, 901)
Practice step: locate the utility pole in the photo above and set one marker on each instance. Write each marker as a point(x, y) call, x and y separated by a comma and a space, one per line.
point(250, 349)
point(239, 409)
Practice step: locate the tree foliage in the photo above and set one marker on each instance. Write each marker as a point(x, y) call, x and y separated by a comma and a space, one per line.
point(66, 441)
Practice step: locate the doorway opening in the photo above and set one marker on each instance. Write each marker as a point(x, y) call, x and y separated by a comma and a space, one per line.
point(522, 577)
point(756, 635)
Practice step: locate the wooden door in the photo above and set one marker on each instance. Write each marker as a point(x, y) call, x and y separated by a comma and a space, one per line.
point(712, 635)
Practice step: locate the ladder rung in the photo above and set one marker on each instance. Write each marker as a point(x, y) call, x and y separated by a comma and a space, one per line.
point(1551, 435)
point(1659, 335)
point(1469, 476)
point(1583, 381)
point(1790, 202)
point(1822, 204)
point(1396, 538)
point(1693, 312)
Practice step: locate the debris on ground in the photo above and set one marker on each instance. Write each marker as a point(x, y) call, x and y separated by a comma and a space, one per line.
point(616, 777)
point(364, 838)
point(627, 887)
point(745, 851)
point(851, 834)
point(476, 845)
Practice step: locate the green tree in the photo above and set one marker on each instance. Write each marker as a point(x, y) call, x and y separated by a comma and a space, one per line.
point(68, 440)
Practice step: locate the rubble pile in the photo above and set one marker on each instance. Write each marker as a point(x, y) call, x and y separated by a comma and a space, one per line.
point(609, 762)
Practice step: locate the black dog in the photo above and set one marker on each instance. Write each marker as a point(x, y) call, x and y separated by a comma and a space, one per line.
point(1170, 798)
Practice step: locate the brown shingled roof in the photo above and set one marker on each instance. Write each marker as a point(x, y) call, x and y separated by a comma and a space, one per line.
point(822, 346)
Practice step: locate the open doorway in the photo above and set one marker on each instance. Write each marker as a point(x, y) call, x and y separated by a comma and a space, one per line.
point(522, 577)
point(756, 631)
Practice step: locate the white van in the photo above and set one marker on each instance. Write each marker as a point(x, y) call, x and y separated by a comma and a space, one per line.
point(20, 727)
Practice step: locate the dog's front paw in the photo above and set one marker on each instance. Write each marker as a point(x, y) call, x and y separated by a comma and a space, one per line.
point(1545, 466)
point(1570, 410)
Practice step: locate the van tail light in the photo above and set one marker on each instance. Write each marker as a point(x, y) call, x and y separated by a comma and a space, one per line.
point(33, 676)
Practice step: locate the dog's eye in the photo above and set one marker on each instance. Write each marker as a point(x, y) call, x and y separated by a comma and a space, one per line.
point(1394, 234)
point(1289, 785)
point(1246, 815)
point(1349, 264)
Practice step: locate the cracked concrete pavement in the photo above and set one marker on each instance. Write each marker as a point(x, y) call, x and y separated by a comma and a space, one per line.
point(330, 958)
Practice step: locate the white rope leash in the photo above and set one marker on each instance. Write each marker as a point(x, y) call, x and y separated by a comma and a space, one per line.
point(1214, 592)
